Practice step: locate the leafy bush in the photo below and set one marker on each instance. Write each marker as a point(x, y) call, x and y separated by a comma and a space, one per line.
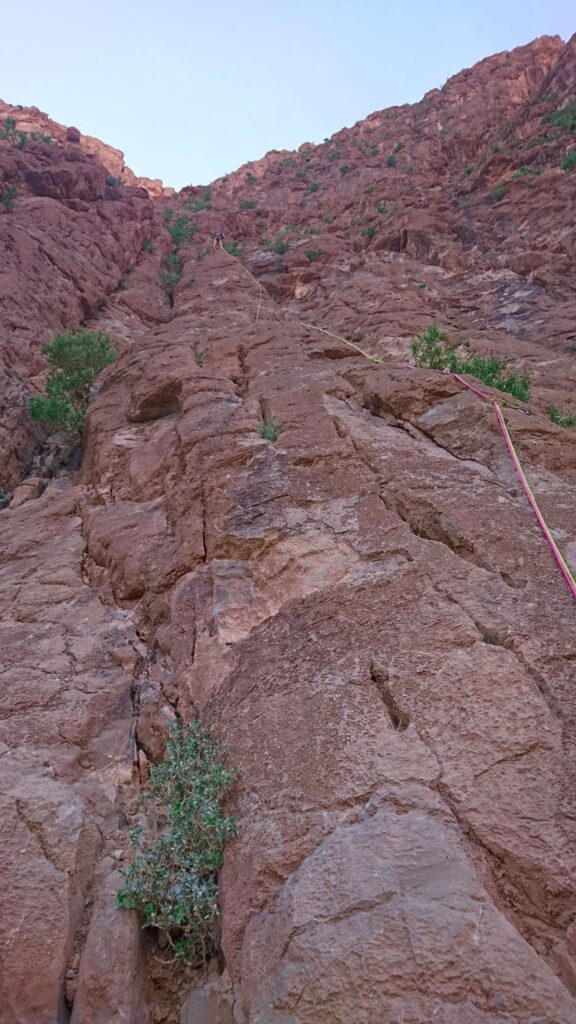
point(248, 204)
point(199, 355)
point(250, 178)
point(302, 173)
point(310, 231)
point(498, 193)
point(270, 429)
point(314, 254)
point(391, 161)
point(369, 231)
point(431, 349)
point(181, 231)
point(382, 208)
point(373, 150)
point(75, 358)
point(8, 130)
point(8, 197)
point(525, 171)
point(569, 161)
point(334, 156)
point(313, 187)
point(370, 189)
point(397, 147)
point(147, 245)
point(561, 418)
point(344, 169)
point(168, 214)
point(234, 248)
point(171, 272)
point(172, 882)
point(280, 248)
point(494, 148)
point(112, 181)
point(469, 169)
point(565, 118)
point(202, 202)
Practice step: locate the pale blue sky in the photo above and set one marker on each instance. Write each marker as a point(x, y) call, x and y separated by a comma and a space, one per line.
point(191, 89)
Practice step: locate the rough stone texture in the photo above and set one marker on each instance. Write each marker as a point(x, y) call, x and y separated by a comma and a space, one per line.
point(365, 612)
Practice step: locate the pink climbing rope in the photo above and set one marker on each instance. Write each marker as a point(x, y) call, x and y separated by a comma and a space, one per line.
point(564, 569)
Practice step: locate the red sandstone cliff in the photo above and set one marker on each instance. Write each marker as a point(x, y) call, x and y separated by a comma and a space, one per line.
point(365, 612)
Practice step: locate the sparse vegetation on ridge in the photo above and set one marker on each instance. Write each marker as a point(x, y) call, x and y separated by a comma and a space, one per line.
point(432, 350)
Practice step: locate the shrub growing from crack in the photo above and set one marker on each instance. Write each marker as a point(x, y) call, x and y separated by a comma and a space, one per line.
point(172, 882)
point(234, 248)
point(314, 254)
point(431, 350)
point(181, 231)
point(248, 204)
point(75, 359)
point(569, 161)
point(8, 197)
point(561, 418)
point(369, 231)
point(199, 355)
point(171, 272)
point(270, 429)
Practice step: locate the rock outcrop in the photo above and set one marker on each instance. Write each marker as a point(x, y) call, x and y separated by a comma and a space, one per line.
point(365, 612)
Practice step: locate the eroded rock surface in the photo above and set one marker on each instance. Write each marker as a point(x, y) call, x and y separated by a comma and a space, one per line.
point(365, 611)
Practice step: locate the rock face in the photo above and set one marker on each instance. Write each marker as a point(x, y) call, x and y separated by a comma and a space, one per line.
point(365, 612)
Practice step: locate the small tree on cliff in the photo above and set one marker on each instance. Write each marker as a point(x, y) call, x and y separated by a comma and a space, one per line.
point(75, 358)
point(172, 882)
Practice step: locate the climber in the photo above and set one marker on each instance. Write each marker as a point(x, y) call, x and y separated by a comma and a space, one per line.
point(217, 239)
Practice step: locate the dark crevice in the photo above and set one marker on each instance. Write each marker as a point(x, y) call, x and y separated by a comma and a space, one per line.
point(380, 678)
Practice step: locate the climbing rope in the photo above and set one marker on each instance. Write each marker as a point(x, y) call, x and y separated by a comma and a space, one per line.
point(495, 403)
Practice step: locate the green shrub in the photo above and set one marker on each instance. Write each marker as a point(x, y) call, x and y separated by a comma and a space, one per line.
point(498, 193)
point(569, 161)
point(421, 284)
point(202, 202)
point(302, 173)
point(8, 197)
point(565, 118)
point(469, 169)
point(270, 429)
point(525, 171)
point(171, 272)
point(199, 355)
point(280, 248)
point(288, 161)
point(373, 150)
point(112, 181)
point(8, 131)
point(382, 208)
point(494, 148)
point(147, 245)
point(313, 186)
point(369, 231)
point(561, 418)
point(75, 358)
point(172, 882)
point(391, 161)
point(370, 189)
point(250, 178)
point(248, 204)
point(334, 156)
point(181, 231)
point(430, 349)
point(344, 169)
point(314, 254)
point(328, 219)
point(168, 214)
point(234, 248)
point(310, 231)
point(397, 147)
